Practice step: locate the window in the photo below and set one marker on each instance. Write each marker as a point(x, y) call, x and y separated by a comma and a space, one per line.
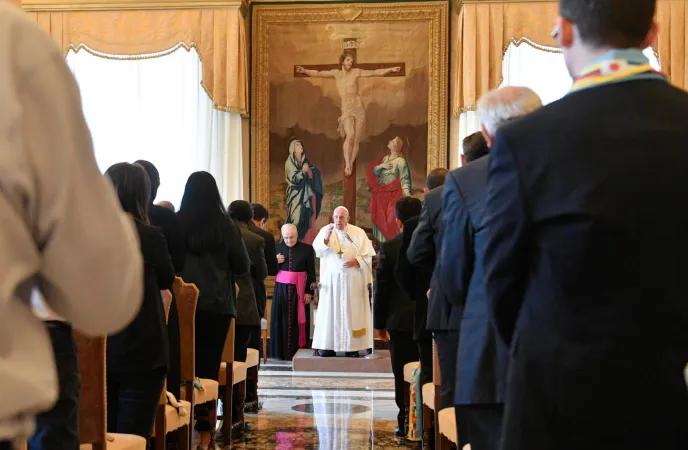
point(540, 68)
point(155, 109)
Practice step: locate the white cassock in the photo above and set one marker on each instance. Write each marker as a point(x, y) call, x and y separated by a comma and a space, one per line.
point(343, 321)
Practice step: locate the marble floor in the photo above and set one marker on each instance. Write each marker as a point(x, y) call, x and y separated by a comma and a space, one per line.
point(324, 411)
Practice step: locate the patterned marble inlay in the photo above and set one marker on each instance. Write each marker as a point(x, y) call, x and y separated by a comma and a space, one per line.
point(330, 408)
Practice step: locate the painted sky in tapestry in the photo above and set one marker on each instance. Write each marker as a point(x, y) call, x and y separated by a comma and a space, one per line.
point(306, 140)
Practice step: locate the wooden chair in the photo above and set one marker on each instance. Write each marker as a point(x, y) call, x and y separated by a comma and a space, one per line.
point(167, 418)
point(252, 360)
point(431, 403)
point(232, 373)
point(92, 404)
point(449, 436)
point(186, 295)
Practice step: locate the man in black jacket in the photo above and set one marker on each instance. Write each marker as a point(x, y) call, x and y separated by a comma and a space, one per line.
point(247, 330)
point(481, 358)
point(257, 225)
point(418, 258)
point(394, 310)
point(585, 258)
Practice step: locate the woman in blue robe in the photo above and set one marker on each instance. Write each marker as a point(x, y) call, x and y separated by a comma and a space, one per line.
point(304, 192)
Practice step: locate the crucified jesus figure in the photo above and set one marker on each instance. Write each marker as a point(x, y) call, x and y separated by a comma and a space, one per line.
point(352, 120)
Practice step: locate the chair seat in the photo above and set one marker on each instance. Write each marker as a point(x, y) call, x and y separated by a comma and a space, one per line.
point(429, 395)
point(116, 441)
point(447, 421)
point(239, 373)
point(252, 357)
point(173, 420)
point(210, 393)
point(408, 370)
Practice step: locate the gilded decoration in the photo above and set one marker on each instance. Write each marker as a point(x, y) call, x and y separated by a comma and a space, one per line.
point(403, 49)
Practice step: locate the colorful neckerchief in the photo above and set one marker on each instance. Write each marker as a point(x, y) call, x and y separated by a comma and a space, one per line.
point(615, 67)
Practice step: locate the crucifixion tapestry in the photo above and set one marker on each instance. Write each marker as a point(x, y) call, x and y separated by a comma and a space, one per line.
point(349, 107)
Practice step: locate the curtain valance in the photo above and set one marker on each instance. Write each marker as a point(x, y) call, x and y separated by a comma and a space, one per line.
point(219, 36)
point(487, 28)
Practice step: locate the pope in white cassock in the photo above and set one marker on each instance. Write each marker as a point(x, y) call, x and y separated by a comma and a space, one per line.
point(343, 321)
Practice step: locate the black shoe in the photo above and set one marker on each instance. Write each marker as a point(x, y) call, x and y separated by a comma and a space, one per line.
point(353, 355)
point(327, 353)
point(398, 432)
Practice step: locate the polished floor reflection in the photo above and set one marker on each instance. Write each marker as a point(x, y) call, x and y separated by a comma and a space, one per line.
point(324, 411)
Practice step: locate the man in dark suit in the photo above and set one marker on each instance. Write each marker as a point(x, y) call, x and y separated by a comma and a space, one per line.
point(394, 310)
point(442, 318)
point(585, 258)
point(257, 225)
point(247, 330)
point(418, 254)
point(481, 357)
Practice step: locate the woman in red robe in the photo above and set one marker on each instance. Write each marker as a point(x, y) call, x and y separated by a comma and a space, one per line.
point(389, 179)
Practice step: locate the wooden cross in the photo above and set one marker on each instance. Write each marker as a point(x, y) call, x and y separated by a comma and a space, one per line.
point(350, 45)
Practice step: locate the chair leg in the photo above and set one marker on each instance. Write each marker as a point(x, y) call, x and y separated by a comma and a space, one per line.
point(427, 428)
point(185, 436)
point(160, 429)
point(242, 402)
point(227, 406)
point(212, 420)
point(252, 388)
point(264, 336)
point(438, 436)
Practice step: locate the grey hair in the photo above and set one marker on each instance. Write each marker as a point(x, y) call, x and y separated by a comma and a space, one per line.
point(287, 226)
point(499, 106)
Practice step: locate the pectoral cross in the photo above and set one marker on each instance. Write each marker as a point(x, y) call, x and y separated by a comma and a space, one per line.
point(340, 253)
point(350, 46)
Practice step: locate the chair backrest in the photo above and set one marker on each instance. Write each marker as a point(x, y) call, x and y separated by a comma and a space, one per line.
point(92, 406)
point(228, 351)
point(166, 302)
point(435, 365)
point(186, 296)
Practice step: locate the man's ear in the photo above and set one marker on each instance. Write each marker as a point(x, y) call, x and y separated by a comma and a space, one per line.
point(651, 38)
point(566, 35)
point(400, 224)
point(486, 135)
point(425, 190)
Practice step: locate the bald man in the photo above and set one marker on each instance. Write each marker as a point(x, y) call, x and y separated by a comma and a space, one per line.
point(343, 322)
point(290, 316)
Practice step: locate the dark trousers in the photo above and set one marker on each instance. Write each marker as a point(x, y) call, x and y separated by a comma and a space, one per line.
point(58, 429)
point(403, 350)
point(479, 425)
point(6, 446)
point(211, 333)
point(254, 343)
point(242, 337)
point(447, 343)
point(132, 400)
point(425, 358)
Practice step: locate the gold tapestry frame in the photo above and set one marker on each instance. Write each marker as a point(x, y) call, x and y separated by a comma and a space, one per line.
point(435, 12)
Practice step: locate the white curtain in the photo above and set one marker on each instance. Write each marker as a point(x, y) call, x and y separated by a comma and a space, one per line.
point(542, 70)
point(156, 109)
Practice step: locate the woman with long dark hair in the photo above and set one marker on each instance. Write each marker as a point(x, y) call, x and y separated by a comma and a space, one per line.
point(215, 252)
point(137, 357)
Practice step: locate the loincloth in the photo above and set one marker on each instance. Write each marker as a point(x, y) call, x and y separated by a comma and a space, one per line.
point(357, 113)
